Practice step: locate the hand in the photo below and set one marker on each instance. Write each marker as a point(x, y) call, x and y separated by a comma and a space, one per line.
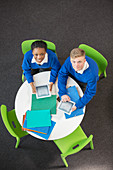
point(33, 88)
point(65, 98)
point(50, 86)
point(74, 108)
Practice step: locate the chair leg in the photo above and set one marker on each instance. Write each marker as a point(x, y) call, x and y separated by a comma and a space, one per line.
point(64, 160)
point(91, 144)
point(17, 143)
point(105, 75)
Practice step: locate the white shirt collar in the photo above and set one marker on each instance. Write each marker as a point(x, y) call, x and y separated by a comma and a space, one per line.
point(45, 60)
point(86, 65)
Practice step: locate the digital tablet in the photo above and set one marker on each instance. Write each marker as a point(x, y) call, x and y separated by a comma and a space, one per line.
point(66, 106)
point(42, 91)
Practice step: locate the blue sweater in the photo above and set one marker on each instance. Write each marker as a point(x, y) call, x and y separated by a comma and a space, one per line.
point(89, 76)
point(52, 62)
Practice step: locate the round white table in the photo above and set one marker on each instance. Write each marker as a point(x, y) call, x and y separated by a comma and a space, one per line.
point(63, 126)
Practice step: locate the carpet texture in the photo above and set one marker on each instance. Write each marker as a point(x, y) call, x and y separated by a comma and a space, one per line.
point(67, 24)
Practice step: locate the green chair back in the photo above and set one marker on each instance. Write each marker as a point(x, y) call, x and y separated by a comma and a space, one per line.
point(97, 57)
point(12, 124)
point(73, 143)
point(26, 45)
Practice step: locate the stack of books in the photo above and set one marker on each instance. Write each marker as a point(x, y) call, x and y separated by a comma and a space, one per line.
point(38, 122)
point(38, 119)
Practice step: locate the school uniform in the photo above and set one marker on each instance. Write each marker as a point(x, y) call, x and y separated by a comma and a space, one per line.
point(88, 75)
point(50, 61)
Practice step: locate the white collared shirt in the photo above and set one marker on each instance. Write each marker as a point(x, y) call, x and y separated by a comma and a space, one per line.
point(86, 65)
point(45, 60)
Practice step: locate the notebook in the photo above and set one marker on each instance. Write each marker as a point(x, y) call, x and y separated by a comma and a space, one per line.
point(48, 103)
point(43, 130)
point(38, 118)
point(46, 136)
point(74, 96)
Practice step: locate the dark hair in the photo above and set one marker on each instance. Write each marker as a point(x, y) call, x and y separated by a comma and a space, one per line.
point(40, 44)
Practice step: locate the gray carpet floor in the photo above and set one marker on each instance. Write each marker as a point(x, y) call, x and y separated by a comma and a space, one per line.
point(67, 23)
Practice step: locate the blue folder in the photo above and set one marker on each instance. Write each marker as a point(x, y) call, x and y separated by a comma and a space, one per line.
point(46, 136)
point(74, 96)
point(38, 118)
point(39, 129)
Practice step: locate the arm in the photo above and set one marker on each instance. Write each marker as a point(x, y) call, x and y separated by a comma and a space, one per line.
point(55, 64)
point(27, 68)
point(62, 80)
point(89, 93)
point(27, 72)
point(33, 87)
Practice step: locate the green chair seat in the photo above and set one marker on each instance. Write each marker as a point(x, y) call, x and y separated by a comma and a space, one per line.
point(97, 57)
point(73, 143)
point(12, 124)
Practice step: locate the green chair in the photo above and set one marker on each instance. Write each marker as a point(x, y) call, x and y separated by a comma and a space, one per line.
point(26, 46)
point(97, 57)
point(73, 143)
point(12, 124)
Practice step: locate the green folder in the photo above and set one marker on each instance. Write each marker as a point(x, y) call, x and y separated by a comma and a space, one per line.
point(38, 118)
point(48, 103)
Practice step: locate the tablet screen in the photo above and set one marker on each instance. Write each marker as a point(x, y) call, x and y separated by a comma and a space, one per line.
point(42, 91)
point(66, 106)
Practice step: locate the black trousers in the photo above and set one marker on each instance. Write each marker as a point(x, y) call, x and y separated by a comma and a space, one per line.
point(81, 84)
point(35, 71)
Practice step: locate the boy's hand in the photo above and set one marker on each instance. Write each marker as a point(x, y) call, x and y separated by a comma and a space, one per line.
point(74, 108)
point(65, 98)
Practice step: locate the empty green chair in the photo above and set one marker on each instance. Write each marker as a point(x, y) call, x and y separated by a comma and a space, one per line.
point(97, 57)
point(12, 124)
point(73, 143)
point(26, 46)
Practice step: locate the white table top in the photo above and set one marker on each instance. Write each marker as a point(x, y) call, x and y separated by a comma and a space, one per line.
point(63, 126)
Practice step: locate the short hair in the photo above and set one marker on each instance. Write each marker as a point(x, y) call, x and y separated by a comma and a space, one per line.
point(40, 44)
point(77, 52)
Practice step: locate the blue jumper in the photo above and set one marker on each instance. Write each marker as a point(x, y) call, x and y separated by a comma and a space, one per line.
point(52, 62)
point(89, 76)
